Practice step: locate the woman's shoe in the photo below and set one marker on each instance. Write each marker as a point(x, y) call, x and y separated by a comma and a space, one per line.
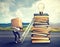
point(16, 42)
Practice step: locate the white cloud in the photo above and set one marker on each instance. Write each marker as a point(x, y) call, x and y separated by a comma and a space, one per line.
point(52, 7)
point(5, 11)
point(18, 13)
point(25, 13)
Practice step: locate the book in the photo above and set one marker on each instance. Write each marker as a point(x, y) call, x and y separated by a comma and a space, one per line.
point(41, 29)
point(41, 19)
point(45, 14)
point(40, 41)
point(34, 37)
point(41, 23)
point(36, 25)
point(39, 34)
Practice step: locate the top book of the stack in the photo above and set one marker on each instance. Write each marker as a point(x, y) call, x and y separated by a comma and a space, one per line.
point(45, 14)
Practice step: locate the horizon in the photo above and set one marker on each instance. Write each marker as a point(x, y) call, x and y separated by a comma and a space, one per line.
point(51, 25)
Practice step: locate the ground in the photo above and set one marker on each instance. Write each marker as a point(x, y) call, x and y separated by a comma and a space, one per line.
point(7, 40)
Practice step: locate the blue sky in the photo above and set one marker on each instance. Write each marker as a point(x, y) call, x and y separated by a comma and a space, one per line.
point(25, 9)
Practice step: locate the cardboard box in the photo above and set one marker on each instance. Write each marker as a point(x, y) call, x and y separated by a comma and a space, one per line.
point(16, 22)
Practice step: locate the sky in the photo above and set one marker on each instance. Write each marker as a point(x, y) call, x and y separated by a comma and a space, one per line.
point(25, 10)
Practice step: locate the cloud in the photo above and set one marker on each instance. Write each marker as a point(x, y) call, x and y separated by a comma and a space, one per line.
point(5, 13)
point(26, 3)
point(15, 8)
point(22, 3)
point(25, 9)
point(52, 7)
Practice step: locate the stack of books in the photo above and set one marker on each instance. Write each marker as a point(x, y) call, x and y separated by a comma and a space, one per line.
point(40, 32)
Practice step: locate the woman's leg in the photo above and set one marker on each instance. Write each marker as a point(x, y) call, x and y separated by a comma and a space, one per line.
point(18, 35)
point(15, 34)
